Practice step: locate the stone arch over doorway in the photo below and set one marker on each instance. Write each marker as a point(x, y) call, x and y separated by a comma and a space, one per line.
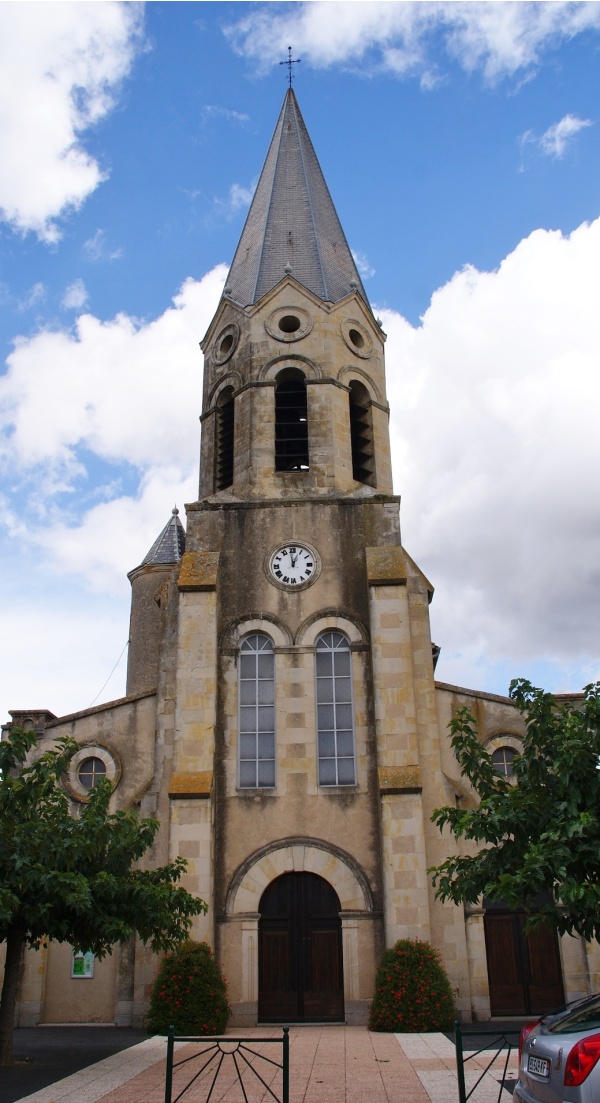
point(299, 855)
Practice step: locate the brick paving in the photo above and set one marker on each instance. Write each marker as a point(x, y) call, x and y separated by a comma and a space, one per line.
point(331, 1064)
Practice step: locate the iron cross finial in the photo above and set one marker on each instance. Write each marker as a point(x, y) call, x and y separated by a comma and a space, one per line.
point(290, 61)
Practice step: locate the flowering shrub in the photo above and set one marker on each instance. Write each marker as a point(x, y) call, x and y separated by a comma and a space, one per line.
point(412, 991)
point(189, 992)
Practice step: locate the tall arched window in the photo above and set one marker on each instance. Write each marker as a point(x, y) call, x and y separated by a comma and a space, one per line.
point(257, 712)
point(291, 421)
point(335, 721)
point(224, 439)
point(361, 434)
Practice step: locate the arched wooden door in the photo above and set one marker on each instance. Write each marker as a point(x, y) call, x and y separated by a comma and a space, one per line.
point(300, 970)
point(524, 971)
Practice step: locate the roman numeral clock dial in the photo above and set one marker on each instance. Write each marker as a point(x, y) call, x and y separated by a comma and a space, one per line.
point(293, 565)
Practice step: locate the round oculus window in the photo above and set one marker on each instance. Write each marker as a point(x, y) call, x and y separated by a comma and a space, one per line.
point(90, 772)
point(225, 344)
point(87, 766)
point(357, 338)
point(288, 323)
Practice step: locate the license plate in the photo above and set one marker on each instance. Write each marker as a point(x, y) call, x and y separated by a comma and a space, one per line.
point(538, 1065)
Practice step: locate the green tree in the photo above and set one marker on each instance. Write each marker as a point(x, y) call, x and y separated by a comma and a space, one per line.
point(541, 833)
point(74, 879)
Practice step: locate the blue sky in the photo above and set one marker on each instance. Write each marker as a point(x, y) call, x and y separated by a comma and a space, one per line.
point(461, 144)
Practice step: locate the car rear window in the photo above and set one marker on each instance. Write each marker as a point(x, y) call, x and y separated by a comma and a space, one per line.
point(584, 1016)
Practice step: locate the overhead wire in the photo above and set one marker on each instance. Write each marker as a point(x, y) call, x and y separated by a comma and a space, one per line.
point(111, 673)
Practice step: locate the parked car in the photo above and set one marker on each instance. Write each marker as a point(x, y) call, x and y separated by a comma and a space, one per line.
point(559, 1056)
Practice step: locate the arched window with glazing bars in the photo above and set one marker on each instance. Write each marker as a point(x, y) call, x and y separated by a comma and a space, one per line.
point(335, 714)
point(256, 682)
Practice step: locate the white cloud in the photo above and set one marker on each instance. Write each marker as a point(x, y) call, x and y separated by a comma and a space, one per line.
point(126, 391)
point(495, 38)
point(365, 269)
point(212, 111)
point(554, 140)
point(59, 645)
point(60, 69)
point(123, 395)
point(33, 297)
point(494, 404)
point(113, 537)
point(96, 248)
point(238, 198)
point(75, 295)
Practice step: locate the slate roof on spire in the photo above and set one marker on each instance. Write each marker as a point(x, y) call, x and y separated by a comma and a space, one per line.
point(292, 225)
point(170, 545)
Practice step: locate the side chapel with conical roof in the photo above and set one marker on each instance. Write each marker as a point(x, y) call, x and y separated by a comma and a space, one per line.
point(282, 720)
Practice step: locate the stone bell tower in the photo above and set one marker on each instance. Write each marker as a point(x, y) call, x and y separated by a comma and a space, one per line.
point(294, 348)
point(304, 694)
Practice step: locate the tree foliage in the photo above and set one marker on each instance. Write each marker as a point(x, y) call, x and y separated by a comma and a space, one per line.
point(541, 833)
point(75, 879)
point(412, 991)
point(189, 993)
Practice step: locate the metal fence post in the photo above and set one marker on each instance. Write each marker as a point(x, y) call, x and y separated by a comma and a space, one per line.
point(286, 1065)
point(460, 1067)
point(170, 1051)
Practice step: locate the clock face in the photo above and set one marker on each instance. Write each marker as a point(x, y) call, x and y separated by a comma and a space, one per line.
point(293, 564)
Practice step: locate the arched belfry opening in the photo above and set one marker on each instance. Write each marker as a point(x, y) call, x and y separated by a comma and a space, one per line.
point(361, 434)
point(300, 966)
point(291, 421)
point(224, 439)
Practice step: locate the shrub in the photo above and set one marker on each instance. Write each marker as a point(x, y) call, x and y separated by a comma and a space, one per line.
point(189, 992)
point(412, 990)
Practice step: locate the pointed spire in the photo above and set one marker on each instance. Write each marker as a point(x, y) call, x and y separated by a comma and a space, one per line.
point(170, 545)
point(292, 225)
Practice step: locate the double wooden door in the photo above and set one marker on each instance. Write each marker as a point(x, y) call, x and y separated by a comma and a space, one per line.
point(524, 971)
point(300, 971)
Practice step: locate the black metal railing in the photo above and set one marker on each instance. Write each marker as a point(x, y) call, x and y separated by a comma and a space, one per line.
point(496, 1044)
point(221, 1056)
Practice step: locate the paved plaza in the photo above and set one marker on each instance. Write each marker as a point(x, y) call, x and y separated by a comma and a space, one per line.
point(328, 1064)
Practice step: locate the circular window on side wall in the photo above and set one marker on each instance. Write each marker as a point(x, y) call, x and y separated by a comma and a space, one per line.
point(88, 765)
point(288, 323)
point(357, 338)
point(90, 772)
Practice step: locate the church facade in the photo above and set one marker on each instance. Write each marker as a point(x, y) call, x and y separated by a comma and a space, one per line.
point(282, 719)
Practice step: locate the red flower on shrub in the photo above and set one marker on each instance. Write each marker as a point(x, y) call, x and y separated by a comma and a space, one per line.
point(189, 992)
point(412, 991)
